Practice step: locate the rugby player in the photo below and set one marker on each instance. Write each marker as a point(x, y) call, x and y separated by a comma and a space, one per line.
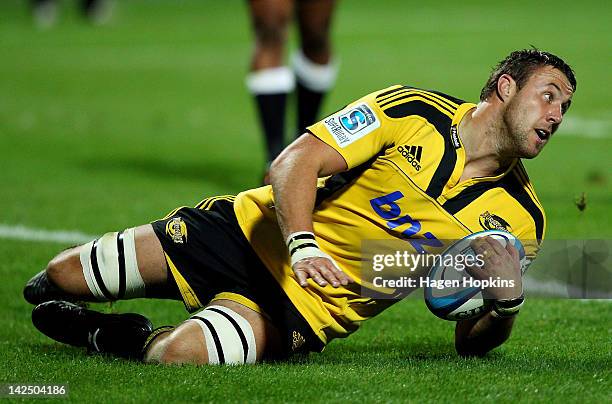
point(276, 270)
point(312, 72)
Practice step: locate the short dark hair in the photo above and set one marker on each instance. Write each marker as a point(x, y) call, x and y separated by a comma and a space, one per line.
point(521, 64)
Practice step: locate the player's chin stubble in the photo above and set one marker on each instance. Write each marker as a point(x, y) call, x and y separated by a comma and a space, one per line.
point(517, 135)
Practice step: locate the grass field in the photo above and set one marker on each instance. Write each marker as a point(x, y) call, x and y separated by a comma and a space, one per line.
point(102, 128)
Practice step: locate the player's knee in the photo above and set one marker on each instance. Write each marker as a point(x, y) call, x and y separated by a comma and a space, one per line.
point(183, 347)
point(271, 32)
point(59, 269)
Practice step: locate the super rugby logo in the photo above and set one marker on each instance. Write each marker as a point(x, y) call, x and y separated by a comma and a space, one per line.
point(351, 124)
point(489, 221)
point(177, 230)
point(353, 120)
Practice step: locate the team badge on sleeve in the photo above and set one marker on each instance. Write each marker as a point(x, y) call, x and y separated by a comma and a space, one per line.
point(351, 124)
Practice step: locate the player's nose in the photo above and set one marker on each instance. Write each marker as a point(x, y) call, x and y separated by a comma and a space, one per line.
point(555, 115)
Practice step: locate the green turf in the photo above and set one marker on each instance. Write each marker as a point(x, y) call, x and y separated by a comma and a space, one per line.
point(107, 127)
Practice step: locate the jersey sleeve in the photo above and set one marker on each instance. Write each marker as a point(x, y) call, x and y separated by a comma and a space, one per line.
point(359, 131)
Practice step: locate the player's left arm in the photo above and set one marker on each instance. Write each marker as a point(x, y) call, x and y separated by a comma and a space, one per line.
point(476, 337)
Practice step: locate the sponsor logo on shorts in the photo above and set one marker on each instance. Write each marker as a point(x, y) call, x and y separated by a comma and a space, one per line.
point(351, 124)
point(177, 230)
point(490, 221)
point(298, 341)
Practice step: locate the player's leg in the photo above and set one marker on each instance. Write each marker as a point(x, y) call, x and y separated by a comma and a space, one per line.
point(99, 12)
point(118, 265)
point(269, 80)
point(44, 12)
point(225, 332)
point(314, 67)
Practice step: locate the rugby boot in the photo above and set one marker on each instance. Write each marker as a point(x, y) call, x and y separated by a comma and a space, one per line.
point(118, 334)
point(39, 289)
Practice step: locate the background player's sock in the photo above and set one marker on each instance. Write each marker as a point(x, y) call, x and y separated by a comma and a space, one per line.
point(270, 88)
point(313, 82)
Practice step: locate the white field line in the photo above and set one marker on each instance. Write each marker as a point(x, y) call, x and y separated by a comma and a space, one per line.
point(576, 126)
point(555, 288)
point(19, 232)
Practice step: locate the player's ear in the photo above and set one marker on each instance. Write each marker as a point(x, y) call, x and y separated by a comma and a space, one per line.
point(506, 86)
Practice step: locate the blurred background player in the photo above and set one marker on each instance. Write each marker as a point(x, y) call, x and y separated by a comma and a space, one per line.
point(45, 12)
point(312, 72)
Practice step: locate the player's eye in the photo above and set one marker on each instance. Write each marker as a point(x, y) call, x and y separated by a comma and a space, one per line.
point(548, 97)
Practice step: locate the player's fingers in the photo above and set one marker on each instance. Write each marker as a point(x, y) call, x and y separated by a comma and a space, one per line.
point(302, 277)
point(495, 246)
point(316, 276)
point(514, 254)
point(328, 274)
point(340, 274)
point(479, 247)
point(512, 250)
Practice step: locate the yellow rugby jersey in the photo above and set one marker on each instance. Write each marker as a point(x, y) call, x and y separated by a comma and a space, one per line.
point(405, 159)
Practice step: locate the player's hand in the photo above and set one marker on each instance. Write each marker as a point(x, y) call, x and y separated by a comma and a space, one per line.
point(499, 262)
point(322, 270)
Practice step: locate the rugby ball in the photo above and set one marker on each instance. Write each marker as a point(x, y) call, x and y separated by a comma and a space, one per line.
point(449, 293)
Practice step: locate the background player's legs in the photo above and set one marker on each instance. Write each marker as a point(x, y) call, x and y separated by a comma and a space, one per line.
point(193, 341)
point(314, 68)
point(269, 80)
point(116, 272)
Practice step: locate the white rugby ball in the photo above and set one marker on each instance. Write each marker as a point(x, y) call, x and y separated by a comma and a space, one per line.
point(455, 301)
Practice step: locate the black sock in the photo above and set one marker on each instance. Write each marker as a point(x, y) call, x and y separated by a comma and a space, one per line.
point(309, 103)
point(272, 119)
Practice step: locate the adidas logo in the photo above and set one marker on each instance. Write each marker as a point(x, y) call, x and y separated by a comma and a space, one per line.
point(412, 154)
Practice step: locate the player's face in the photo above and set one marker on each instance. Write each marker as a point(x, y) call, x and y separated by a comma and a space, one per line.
point(536, 111)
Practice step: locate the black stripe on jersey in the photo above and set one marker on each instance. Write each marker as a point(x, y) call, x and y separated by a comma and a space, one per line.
point(467, 196)
point(448, 97)
point(446, 101)
point(93, 257)
point(121, 261)
point(442, 123)
point(216, 339)
point(245, 345)
point(340, 180)
point(413, 96)
point(394, 90)
point(512, 185)
point(525, 178)
point(517, 190)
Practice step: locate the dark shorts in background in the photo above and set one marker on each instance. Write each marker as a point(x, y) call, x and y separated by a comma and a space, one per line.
point(211, 259)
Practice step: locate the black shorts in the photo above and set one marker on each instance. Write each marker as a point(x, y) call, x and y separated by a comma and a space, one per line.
point(211, 259)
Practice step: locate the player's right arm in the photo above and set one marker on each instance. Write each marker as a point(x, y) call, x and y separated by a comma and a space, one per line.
point(293, 176)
